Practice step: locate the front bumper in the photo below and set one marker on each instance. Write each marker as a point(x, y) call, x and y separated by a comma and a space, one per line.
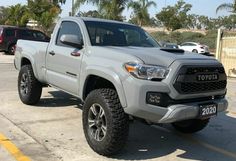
point(137, 106)
point(189, 111)
point(173, 113)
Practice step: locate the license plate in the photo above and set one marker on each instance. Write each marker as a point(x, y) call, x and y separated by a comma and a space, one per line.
point(207, 110)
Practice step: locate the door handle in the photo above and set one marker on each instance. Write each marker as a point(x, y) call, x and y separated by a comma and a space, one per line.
point(52, 53)
point(76, 54)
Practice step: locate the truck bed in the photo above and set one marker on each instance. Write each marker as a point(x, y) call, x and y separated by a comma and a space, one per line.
point(36, 51)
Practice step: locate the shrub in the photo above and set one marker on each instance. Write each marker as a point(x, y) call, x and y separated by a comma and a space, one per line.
point(176, 37)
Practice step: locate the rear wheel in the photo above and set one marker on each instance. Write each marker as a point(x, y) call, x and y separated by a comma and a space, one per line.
point(29, 88)
point(11, 49)
point(190, 126)
point(105, 124)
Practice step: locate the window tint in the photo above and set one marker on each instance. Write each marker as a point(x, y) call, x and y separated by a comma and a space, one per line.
point(115, 34)
point(191, 44)
point(70, 28)
point(25, 34)
point(38, 35)
point(185, 44)
point(188, 44)
point(10, 32)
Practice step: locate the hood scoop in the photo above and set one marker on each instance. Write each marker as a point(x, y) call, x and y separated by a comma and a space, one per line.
point(170, 50)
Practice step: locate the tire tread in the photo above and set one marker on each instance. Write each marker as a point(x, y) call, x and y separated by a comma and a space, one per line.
point(35, 87)
point(120, 123)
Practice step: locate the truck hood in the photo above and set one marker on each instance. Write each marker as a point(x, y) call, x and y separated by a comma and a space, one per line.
point(160, 56)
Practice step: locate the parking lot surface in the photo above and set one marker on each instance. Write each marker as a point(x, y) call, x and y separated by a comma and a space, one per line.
point(52, 130)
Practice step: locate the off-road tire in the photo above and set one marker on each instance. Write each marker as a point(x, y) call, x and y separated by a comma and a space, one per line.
point(116, 119)
point(32, 85)
point(190, 126)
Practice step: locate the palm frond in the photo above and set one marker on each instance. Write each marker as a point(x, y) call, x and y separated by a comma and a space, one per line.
point(226, 6)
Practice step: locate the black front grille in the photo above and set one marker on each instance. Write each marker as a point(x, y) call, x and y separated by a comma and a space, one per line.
point(194, 70)
point(187, 83)
point(192, 87)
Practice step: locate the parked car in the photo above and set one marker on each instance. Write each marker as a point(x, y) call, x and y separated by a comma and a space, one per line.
point(195, 47)
point(171, 45)
point(10, 34)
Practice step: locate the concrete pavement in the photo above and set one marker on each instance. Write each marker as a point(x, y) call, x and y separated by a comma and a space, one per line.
point(52, 130)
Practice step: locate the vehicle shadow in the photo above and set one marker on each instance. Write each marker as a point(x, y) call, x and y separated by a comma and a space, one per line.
point(59, 99)
point(217, 142)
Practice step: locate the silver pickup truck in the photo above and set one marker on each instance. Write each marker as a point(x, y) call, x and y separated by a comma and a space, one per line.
point(119, 71)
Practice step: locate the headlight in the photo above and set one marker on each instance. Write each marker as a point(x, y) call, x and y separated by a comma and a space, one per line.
point(148, 72)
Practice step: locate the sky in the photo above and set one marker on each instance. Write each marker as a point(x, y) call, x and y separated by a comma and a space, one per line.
point(200, 7)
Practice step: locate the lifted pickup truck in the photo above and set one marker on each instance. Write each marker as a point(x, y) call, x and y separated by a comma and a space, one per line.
point(119, 70)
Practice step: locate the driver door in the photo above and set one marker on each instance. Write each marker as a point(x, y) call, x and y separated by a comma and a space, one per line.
point(63, 62)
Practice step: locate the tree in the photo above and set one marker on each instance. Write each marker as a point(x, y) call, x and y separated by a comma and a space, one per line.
point(140, 11)
point(192, 21)
point(175, 17)
point(90, 13)
point(17, 15)
point(203, 22)
point(3, 15)
point(229, 22)
point(44, 13)
point(47, 19)
point(112, 9)
point(109, 9)
point(57, 2)
point(231, 7)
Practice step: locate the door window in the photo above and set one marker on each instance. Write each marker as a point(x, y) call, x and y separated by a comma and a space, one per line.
point(70, 28)
point(38, 35)
point(10, 32)
point(115, 34)
point(25, 34)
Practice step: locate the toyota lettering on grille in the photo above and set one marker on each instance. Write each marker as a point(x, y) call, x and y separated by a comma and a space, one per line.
point(207, 77)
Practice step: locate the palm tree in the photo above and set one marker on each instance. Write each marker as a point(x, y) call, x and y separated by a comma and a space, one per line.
point(77, 3)
point(17, 15)
point(140, 10)
point(44, 12)
point(112, 9)
point(231, 7)
point(109, 9)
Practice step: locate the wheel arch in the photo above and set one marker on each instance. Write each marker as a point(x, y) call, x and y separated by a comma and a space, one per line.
point(25, 60)
point(195, 50)
point(102, 79)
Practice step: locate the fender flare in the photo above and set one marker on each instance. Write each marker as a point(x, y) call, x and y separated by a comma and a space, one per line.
point(108, 75)
point(30, 58)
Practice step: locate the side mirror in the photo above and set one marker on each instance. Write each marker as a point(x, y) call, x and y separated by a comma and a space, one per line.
point(72, 40)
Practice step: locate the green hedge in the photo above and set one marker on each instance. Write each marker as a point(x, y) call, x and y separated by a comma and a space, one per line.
point(176, 37)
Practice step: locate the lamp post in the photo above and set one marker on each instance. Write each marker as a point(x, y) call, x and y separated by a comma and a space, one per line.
point(72, 8)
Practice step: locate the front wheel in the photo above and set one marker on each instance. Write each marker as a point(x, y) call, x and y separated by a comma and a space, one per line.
point(29, 88)
point(105, 124)
point(195, 51)
point(190, 126)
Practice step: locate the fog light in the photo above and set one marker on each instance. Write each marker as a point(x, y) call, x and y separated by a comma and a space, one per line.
point(153, 98)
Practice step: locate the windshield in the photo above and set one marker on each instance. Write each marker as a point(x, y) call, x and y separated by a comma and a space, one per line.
point(116, 34)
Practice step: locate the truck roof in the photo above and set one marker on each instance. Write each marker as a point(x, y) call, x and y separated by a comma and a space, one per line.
point(97, 19)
